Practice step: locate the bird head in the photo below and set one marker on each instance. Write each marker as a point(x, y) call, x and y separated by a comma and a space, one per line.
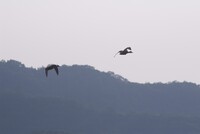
point(129, 48)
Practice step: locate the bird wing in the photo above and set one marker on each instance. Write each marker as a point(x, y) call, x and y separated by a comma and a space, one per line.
point(56, 69)
point(46, 72)
point(116, 54)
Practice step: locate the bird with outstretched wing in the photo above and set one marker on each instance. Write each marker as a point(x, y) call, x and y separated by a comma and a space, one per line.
point(124, 52)
point(50, 67)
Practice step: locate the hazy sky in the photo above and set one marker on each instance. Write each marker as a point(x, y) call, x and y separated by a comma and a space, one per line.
point(164, 35)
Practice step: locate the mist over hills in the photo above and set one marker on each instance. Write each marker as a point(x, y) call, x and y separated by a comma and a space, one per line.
point(83, 100)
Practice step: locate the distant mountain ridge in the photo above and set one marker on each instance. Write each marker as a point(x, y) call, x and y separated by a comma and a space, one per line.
point(83, 100)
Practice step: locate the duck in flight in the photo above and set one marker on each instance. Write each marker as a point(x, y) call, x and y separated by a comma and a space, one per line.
point(50, 67)
point(125, 51)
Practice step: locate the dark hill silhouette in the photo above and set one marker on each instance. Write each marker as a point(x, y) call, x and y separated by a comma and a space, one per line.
point(83, 100)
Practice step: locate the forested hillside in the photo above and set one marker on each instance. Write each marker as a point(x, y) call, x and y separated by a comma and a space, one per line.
point(83, 100)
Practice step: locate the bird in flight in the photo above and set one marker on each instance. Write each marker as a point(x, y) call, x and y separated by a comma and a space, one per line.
point(50, 67)
point(125, 51)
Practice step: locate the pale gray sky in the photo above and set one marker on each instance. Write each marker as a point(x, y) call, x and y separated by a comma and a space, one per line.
point(164, 35)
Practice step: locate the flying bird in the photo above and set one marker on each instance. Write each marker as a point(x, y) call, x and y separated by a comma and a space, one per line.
point(125, 51)
point(50, 67)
